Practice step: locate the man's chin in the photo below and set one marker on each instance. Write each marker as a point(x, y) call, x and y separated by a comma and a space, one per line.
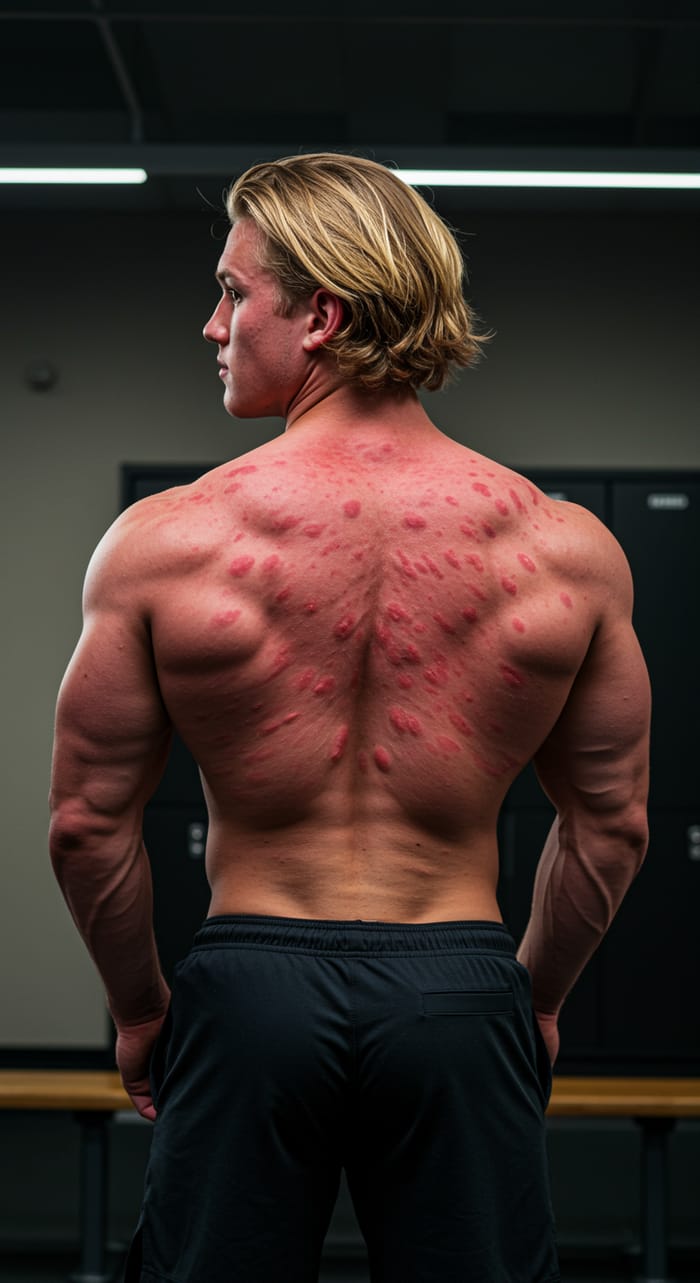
point(240, 409)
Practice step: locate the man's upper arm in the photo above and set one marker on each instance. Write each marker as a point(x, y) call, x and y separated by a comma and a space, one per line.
point(112, 730)
point(595, 761)
point(594, 768)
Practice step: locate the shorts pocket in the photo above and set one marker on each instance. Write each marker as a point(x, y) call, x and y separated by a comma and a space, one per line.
point(468, 1002)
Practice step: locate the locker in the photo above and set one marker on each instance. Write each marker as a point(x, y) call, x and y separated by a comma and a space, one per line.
point(650, 964)
point(609, 1023)
point(658, 524)
point(175, 837)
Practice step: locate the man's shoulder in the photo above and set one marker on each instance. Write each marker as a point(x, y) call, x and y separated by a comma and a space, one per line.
point(142, 544)
point(550, 516)
point(571, 540)
point(157, 523)
point(588, 539)
point(588, 555)
point(138, 532)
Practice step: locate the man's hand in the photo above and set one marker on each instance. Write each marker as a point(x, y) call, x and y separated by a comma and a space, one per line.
point(550, 1033)
point(134, 1049)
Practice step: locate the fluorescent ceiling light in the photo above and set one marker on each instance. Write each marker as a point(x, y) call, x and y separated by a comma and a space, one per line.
point(84, 175)
point(545, 178)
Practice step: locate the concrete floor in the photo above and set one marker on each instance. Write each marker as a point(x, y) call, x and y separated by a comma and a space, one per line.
point(58, 1267)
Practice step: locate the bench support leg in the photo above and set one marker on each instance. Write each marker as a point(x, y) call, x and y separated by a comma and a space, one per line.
point(654, 1192)
point(94, 1155)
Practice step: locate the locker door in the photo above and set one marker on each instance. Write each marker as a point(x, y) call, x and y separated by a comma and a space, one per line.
point(175, 838)
point(651, 956)
point(658, 525)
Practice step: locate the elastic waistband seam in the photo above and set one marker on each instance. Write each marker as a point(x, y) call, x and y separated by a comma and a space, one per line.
point(349, 938)
point(371, 950)
point(271, 922)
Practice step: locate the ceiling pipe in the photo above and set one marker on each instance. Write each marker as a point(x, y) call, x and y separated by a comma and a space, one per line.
point(118, 65)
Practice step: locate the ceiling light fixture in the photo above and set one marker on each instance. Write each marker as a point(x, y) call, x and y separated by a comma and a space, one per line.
point(52, 174)
point(548, 178)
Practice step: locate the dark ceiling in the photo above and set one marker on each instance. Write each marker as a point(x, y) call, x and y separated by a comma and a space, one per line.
point(201, 89)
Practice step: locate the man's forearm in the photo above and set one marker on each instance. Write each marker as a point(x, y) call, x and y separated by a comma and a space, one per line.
point(106, 881)
point(581, 880)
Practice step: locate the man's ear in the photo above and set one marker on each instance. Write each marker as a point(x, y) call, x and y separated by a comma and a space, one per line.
point(325, 317)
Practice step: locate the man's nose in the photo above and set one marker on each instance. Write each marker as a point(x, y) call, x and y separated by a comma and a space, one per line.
point(216, 328)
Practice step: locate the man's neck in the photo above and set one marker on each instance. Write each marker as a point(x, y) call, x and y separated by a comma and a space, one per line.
point(346, 406)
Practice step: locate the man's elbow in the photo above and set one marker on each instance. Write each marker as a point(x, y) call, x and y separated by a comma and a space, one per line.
point(69, 830)
point(635, 832)
point(76, 828)
point(613, 810)
point(627, 833)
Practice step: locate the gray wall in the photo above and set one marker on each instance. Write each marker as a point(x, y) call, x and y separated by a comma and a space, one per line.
point(595, 363)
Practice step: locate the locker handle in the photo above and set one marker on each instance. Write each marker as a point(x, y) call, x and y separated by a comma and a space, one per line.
point(196, 840)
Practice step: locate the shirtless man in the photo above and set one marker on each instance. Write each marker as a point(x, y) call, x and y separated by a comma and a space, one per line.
point(363, 631)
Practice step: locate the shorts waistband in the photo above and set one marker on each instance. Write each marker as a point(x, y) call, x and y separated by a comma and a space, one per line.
point(337, 936)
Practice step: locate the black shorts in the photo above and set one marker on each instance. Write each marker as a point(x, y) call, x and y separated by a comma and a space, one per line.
point(406, 1054)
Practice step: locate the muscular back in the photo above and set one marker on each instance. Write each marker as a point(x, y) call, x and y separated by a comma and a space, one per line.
point(362, 631)
point(362, 641)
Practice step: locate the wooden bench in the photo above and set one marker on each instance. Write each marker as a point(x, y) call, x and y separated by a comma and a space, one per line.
point(654, 1104)
point(95, 1096)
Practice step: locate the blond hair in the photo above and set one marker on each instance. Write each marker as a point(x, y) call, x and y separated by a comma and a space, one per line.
point(352, 227)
